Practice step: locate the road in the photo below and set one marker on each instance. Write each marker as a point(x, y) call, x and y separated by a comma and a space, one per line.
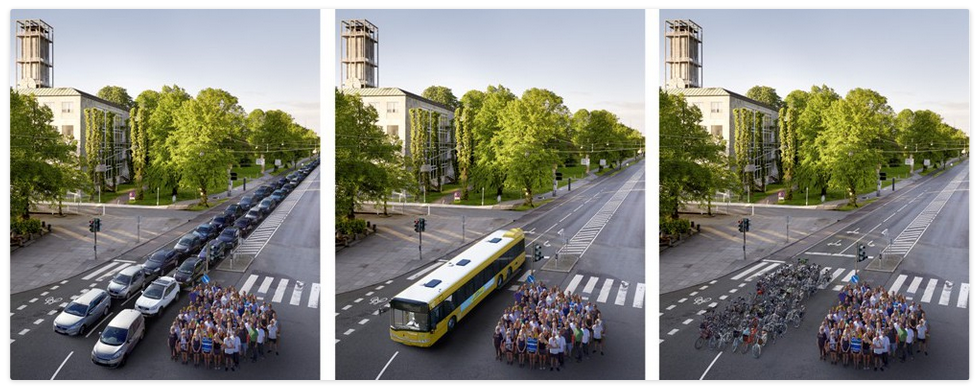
point(291, 254)
point(928, 223)
point(610, 273)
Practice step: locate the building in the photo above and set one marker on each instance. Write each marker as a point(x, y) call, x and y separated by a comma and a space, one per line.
point(361, 54)
point(393, 107)
point(684, 76)
point(35, 72)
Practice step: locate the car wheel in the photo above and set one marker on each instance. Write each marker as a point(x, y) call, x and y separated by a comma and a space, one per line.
point(82, 330)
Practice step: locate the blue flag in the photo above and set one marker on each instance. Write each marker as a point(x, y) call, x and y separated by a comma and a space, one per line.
point(205, 279)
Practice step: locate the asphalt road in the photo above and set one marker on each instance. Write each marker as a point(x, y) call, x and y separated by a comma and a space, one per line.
point(292, 252)
point(611, 274)
point(934, 272)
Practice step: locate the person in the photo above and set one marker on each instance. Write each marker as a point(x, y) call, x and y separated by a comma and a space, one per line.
point(578, 337)
point(273, 336)
point(229, 348)
point(922, 336)
point(238, 347)
point(206, 346)
point(845, 348)
point(171, 342)
point(508, 347)
point(820, 336)
point(855, 345)
point(885, 353)
point(261, 341)
point(183, 346)
point(909, 347)
point(531, 349)
point(586, 340)
point(878, 351)
point(253, 342)
point(195, 348)
point(497, 341)
point(521, 348)
point(599, 336)
point(554, 347)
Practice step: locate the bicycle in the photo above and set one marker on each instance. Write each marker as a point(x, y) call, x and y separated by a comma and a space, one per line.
point(761, 342)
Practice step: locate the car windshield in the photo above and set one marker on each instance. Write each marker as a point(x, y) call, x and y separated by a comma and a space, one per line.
point(228, 233)
point(76, 309)
point(186, 241)
point(122, 279)
point(187, 267)
point(154, 291)
point(113, 336)
point(156, 258)
point(204, 229)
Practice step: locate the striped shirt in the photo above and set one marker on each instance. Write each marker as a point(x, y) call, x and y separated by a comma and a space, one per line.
point(206, 344)
point(531, 345)
point(856, 344)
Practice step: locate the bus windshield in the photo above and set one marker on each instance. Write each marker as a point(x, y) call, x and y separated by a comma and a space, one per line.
point(409, 316)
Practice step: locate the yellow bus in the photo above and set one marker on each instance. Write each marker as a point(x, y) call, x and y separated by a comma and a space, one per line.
point(433, 306)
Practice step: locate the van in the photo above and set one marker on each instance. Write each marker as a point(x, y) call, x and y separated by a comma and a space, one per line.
point(119, 338)
point(83, 312)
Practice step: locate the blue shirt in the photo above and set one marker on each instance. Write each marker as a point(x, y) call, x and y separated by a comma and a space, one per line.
point(531, 344)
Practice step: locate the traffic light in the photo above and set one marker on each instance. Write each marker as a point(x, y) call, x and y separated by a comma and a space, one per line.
point(422, 224)
point(417, 225)
point(91, 225)
point(234, 176)
point(746, 224)
point(883, 176)
point(862, 253)
point(740, 225)
point(98, 225)
point(537, 252)
point(560, 176)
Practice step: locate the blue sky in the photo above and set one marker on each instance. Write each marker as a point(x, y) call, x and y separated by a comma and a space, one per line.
point(594, 59)
point(918, 59)
point(269, 59)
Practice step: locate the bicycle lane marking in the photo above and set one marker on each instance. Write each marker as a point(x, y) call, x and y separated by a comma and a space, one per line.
point(711, 365)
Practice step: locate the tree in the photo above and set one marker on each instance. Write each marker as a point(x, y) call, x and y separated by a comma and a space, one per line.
point(117, 95)
point(855, 126)
point(442, 95)
point(488, 173)
point(528, 127)
point(94, 147)
point(419, 147)
point(43, 163)
point(787, 123)
point(203, 127)
point(692, 166)
point(813, 169)
point(267, 133)
point(767, 95)
point(742, 146)
point(593, 129)
point(139, 148)
point(433, 122)
point(160, 128)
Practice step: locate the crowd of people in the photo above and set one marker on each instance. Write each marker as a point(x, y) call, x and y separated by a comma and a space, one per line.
point(221, 326)
point(546, 327)
point(872, 328)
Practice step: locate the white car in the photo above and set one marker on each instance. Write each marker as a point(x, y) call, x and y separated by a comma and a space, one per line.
point(158, 295)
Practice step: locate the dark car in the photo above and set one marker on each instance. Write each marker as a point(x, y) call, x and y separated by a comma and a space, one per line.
point(188, 245)
point(230, 236)
point(267, 205)
point(247, 202)
point(159, 263)
point(277, 184)
point(233, 212)
point(263, 192)
point(278, 196)
point(218, 248)
point(220, 222)
point(245, 225)
point(290, 186)
point(256, 215)
point(189, 272)
point(206, 231)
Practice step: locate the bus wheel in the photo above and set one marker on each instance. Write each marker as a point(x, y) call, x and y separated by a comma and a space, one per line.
point(451, 324)
point(509, 273)
point(499, 281)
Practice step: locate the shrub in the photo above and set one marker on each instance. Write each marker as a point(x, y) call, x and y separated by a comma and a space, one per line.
point(670, 226)
point(351, 226)
point(25, 226)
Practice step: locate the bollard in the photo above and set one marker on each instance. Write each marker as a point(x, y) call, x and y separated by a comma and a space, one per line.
point(697, 228)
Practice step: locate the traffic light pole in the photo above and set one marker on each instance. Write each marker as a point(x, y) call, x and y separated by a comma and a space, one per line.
point(419, 245)
point(745, 244)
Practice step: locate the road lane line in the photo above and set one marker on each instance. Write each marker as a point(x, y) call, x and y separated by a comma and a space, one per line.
point(104, 319)
point(693, 294)
point(670, 307)
point(589, 287)
point(33, 300)
point(62, 365)
point(712, 305)
point(639, 296)
point(280, 290)
point(762, 272)
point(423, 272)
point(572, 286)
point(265, 284)
point(53, 312)
point(314, 296)
point(369, 294)
point(38, 321)
point(364, 321)
point(914, 285)
point(689, 320)
point(748, 271)
point(524, 277)
point(246, 288)
point(386, 365)
point(605, 290)
point(21, 307)
point(682, 300)
point(622, 293)
point(898, 283)
point(44, 294)
point(929, 290)
point(99, 271)
point(357, 300)
point(349, 331)
point(296, 293)
point(673, 332)
point(23, 332)
point(945, 294)
point(723, 297)
point(347, 307)
point(711, 365)
point(963, 296)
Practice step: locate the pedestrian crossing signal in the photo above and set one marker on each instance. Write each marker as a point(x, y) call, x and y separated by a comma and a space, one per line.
point(417, 225)
point(537, 252)
point(740, 225)
point(862, 253)
point(91, 225)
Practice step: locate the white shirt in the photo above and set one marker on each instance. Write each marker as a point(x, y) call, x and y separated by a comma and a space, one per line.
point(598, 329)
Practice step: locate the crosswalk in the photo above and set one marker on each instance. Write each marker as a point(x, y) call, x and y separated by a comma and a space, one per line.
point(581, 241)
point(607, 291)
point(286, 291)
point(107, 271)
point(258, 238)
point(908, 238)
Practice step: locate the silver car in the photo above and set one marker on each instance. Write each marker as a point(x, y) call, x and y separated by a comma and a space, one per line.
point(83, 312)
point(119, 338)
point(127, 282)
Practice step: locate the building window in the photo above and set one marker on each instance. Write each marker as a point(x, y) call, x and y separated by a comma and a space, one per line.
point(392, 107)
point(68, 131)
point(392, 131)
point(66, 107)
point(716, 131)
point(715, 107)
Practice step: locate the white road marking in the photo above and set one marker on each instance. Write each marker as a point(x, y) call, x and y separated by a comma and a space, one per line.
point(713, 282)
point(314, 296)
point(113, 271)
point(723, 297)
point(712, 305)
point(672, 332)
point(913, 285)
point(23, 332)
point(700, 313)
point(349, 331)
point(524, 277)
point(389, 282)
point(589, 287)
point(63, 282)
point(38, 321)
point(364, 321)
point(763, 271)
point(837, 273)
point(848, 276)
point(929, 290)
point(704, 287)
point(639, 300)
point(622, 294)
point(53, 312)
point(687, 321)
point(748, 271)
point(99, 271)
point(605, 290)
point(369, 294)
point(711, 365)
point(296, 293)
point(21, 307)
point(44, 294)
point(945, 294)
point(347, 307)
point(682, 300)
point(280, 290)
point(357, 300)
point(62, 365)
point(55, 287)
point(670, 307)
point(379, 287)
point(693, 294)
point(265, 284)
point(246, 288)
point(963, 296)
point(386, 365)
point(898, 283)
point(734, 290)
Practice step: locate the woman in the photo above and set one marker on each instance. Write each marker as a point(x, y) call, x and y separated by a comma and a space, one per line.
point(521, 348)
point(508, 347)
point(497, 339)
point(184, 346)
point(171, 341)
point(844, 348)
point(206, 345)
point(531, 349)
point(821, 342)
point(195, 348)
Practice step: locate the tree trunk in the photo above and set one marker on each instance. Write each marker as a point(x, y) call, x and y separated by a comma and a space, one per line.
point(203, 196)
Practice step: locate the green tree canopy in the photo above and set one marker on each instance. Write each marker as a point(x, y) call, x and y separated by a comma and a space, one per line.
point(117, 95)
point(530, 126)
point(442, 95)
point(765, 94)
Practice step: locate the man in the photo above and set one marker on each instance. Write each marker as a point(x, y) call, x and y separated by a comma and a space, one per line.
point(261, 340)
point(586, 341)
point(273, 336)
point(909, 346)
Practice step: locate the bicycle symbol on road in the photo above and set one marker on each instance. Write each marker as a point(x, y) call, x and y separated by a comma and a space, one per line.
point(701, 300)
point(52, 300)
point(378, 300)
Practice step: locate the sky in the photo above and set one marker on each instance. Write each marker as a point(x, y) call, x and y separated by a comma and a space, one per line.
point(593, 59)
point(268, 59)
point(917, 59)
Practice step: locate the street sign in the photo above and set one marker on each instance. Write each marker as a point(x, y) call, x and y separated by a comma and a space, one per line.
point(602, 162)
point(781, 196)
point(560, 176)
point(132, 196)
point(205, 279)
point(882, 176)
point(908, 161)
point(278, 162)
point(260, 162)
point(530, 279)
point(926, 162)
point(854, 279)
point(585, 161)
point(458, 196)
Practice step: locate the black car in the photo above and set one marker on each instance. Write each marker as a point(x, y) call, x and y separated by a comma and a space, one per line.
point(256, 215)
point(218, 248)
point(159, 263)
point(230, 236)
point(267, 205)
point(188, 245)
point(233, 212)
point(290, 186)
point(277, 184)
point(279, 195)
point(189, 272)
point(206, 231)
point(247, 202)
point(245, 225)
point(263, 192)
point(220, 222)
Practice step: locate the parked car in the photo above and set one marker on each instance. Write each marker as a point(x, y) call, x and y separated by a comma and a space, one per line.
point(189, 272)
point(82, 313)
point(119, 338)
point(231, 236)
point(220, 249)
point(219, 222)
point(263, 192)
point(267, 205)
point(233, 212)
point(278, 196)
point(247, 202)
point(127, 282)
point(276, 184)
point(256, 215)
point(189, 245)
point(245, 225)
point(159, 263)
point(206, 231)
point(158, 295)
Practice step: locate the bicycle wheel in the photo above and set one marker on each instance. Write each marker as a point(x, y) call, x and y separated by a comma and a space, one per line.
point(744, 347)
point(796, 320)
point(756, 350)
point(713, 342)
point(736, 344)
point(699, 342)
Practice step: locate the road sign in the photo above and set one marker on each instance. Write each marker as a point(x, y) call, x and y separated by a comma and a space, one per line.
point(530, 279)
point(926, 162)
point(260, 162)
point(602, 162)
point(781, 196)
point(205, 279)
point(882, 176)
point(278, 162)
point(585, 161)
point(132, 196)
point(458, 196)
point(908, 161)
point(560, 176)
point(854, 279)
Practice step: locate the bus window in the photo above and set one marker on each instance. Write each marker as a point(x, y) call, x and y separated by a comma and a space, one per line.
point(407, 316)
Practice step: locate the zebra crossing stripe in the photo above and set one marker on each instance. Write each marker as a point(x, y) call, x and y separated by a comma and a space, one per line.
point(246, 288)
point(898, 283)
point(265, 284)
point(945, 294)
point(765, 270)
point(622, 294)
point(743, 273)
point(914, 285)
point(99, 271)
point(280, 290)
point(589, 287)
point(963, 296)
point(640, 296)
point(113, 271)
point(572, 286)
point(837, 273)
point(296, 293)
point(524, 277)
point(605, 290)
point(314, 296)
point(929, 290)
point(848, 277)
